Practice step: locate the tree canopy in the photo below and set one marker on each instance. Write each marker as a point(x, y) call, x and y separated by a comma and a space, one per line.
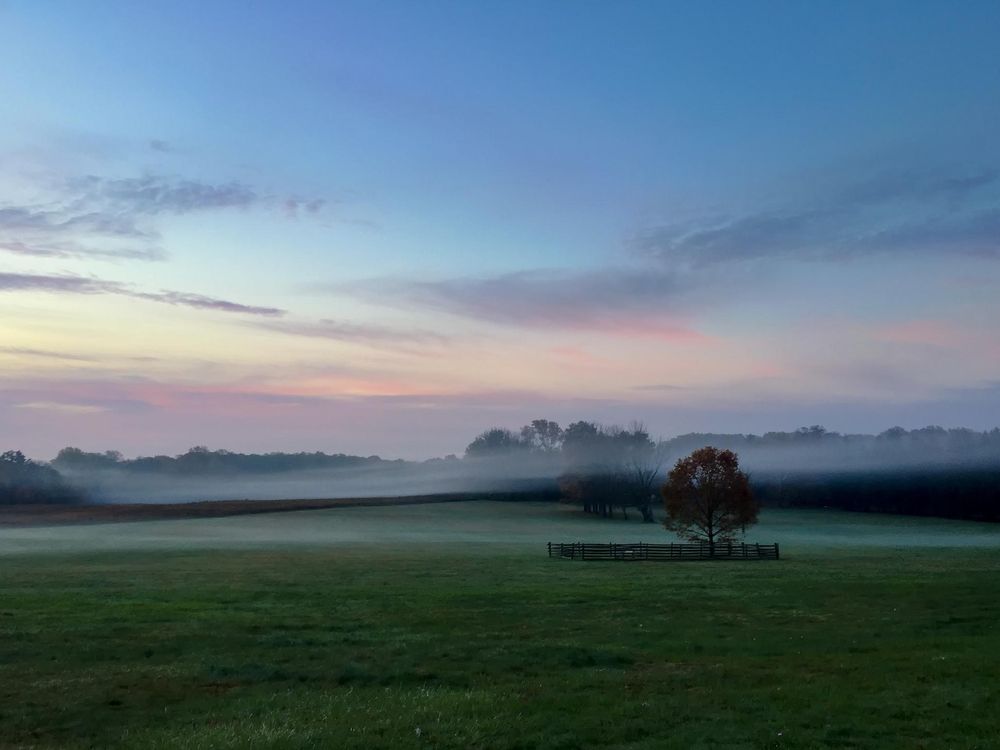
point(707, 497)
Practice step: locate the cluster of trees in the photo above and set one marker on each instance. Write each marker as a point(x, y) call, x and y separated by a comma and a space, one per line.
point(608, 467)
point(706, 495)
point(542, 436)
point(23, 481)
point(600, 468)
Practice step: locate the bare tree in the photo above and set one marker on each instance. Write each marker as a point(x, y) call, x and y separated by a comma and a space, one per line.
point(643, 469)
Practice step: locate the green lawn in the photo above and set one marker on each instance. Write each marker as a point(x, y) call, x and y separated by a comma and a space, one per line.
point(129, 641)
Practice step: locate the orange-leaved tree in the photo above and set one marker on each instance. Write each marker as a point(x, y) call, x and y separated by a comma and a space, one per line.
point(708, 498)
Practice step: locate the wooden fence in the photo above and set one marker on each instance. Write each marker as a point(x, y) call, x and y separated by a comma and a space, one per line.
point(664, 552)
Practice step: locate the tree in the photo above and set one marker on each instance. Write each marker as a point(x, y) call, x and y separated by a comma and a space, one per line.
point(583, 444)
point(642, 468)
point(708, 498)
point(591, 476)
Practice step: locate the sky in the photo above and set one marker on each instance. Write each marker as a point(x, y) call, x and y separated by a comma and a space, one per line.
point(382, 227)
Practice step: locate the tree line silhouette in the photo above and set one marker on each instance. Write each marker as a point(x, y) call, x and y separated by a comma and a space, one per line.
point(609, 470)
point(202, 461)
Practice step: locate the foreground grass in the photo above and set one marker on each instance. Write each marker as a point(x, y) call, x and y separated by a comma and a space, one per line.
point(356, 648)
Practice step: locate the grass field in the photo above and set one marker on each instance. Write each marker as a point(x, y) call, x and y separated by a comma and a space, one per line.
point(446, 626)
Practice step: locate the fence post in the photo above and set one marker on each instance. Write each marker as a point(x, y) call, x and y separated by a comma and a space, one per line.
point(776, 555)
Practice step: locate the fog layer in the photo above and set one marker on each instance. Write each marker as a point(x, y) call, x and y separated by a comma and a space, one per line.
point(500, 460)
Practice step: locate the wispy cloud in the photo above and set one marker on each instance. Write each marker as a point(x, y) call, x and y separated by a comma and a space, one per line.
point(622, 302)
point(22, 351)
point(25, 351)
point(66, 249)
point(19, 282)
point(66, 408)
point(901, 212)
point(351, 332)
point(116, 217)
point(66, 284)
point(201, 302)
point(156, 194)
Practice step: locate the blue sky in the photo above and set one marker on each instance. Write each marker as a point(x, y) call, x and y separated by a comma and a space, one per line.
point(468, 213)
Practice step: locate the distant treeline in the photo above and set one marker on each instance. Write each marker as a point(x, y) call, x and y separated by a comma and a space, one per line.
point(546, 443)
point(930, 471)
point(805, 449)
point(202, 461)
point(812, 448)
point(971, 493)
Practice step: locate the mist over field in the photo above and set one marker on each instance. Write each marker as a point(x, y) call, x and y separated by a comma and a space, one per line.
point(808, 466)
point(378, 479)
point(814, 452)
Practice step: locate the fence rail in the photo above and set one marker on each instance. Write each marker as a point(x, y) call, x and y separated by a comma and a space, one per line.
point(665, 552)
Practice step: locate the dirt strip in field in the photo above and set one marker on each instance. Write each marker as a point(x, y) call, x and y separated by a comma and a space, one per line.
point(53, 515)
